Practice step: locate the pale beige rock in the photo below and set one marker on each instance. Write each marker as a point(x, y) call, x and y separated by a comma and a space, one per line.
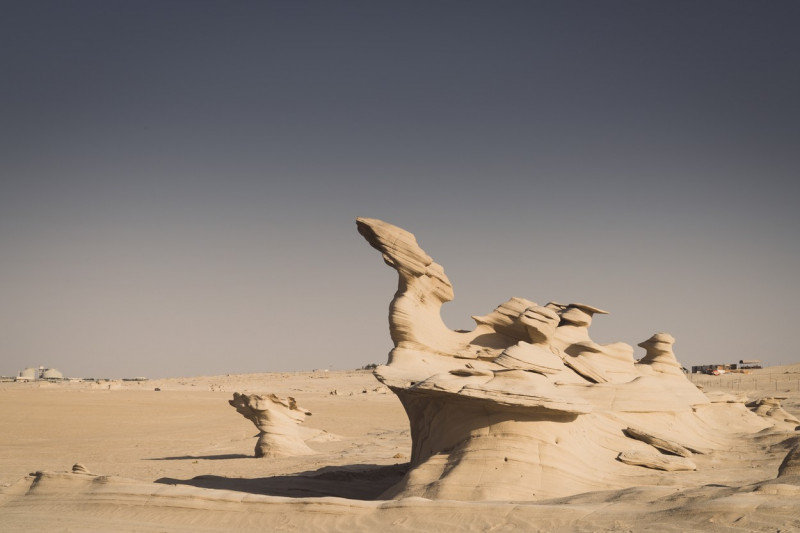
point(527, 356)
point(424, 287)
point(580, 315)
point(664, 444)
point(771, 409)
point(656, 461)
point(582, 358)
point(659, 354)
point(278, 421)
point(598, 363)
point(539, 355)
point(505, 319)
point(541, 409)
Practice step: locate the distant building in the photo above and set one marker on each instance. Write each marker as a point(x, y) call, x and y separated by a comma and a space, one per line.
point(744, 364)
point(29, 374)
point(708, 369)
point(52, 374)
point(34, 374)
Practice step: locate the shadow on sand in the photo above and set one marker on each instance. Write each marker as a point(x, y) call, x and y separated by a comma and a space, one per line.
point(355, 482)
point(205, 457)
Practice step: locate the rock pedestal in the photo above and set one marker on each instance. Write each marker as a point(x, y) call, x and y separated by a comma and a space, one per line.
point(527, 406)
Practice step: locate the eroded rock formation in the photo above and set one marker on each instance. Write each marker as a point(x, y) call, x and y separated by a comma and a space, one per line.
point(527, 406)
point(278, 420)
point(770, 408)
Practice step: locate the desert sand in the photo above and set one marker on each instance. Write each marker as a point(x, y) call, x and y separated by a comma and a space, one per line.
point(523, 424)
point(182, 460)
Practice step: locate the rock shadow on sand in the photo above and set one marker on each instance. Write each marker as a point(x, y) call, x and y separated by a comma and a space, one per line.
point(354, 482)
point(204, 457)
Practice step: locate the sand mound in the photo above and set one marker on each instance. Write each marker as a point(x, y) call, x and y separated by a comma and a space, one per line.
point(47, 501)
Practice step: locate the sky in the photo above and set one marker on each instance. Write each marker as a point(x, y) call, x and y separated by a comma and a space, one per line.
point(179, 180)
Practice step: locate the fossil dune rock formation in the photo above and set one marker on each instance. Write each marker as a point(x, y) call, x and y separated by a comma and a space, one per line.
point(278, 421)
point(659, 354)
point(527, 406)
point(771, 408)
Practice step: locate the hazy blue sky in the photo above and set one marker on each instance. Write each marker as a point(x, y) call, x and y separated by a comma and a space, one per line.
point(180, 179)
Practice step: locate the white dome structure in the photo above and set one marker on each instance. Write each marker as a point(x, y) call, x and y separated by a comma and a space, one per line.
point(52, 373)
point(29, 374)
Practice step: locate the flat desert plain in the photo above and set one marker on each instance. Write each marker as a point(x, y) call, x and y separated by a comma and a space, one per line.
point(180, 458)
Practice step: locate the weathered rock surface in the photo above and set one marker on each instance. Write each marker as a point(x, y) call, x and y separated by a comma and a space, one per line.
point(790, 466)
point(656, 461)
point(771, 409)
point(659, 354)
point(664, 444)
point(527, 406)
point(278, 421)
point(78, 468)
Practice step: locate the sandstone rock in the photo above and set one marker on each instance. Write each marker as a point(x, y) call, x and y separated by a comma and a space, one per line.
point(540, 408)
point(790, 466)
point(539, 355)
point(662, 443)
point(771, 409)
point(80, 469)
point(278, 421)
point(656, 461)
point(659, 354)
point(505, 319)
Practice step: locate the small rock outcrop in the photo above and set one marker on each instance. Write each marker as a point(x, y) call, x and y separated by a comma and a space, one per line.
point(665, 444)
point(278, 420)
point(78, 468)
point(771, 409)
point(656, 461)
point(660, 356)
